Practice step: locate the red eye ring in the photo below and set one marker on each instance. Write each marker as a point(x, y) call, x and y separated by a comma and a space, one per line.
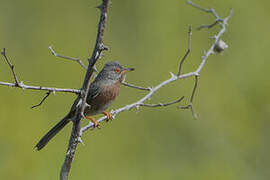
point(117, 70)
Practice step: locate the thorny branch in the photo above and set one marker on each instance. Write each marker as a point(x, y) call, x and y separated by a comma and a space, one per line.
point(217, 46)
point(66, 57)
point(75, 132)
point(40, 88)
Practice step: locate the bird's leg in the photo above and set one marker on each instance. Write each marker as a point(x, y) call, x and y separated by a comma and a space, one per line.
point(109, 115)
point(96, 123)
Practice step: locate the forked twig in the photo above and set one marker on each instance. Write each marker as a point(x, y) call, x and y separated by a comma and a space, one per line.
point(67, 57)
point(211, 10)
point(190, 105)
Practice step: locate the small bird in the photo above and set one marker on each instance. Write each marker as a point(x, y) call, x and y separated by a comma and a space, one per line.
point(102, 92)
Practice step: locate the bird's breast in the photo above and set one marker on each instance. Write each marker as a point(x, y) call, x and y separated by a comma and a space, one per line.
point(110, 92)
point(104, 99)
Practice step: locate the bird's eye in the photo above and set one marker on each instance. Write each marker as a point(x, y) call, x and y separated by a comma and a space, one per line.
point(117, 70)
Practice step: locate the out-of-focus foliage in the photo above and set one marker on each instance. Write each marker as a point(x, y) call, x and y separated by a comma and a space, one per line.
point(230, 139)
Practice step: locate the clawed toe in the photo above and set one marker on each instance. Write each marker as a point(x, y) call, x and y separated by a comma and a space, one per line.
point(95, 122)
point(109, 116)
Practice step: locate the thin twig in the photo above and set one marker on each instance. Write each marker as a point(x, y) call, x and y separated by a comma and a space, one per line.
point(190, 105)
point(136, 87)
point(188, 51)
point(210, 25)
point(211, 10)
point(45, 97)
point(40, 88)
point(67, 57)
point(3, 52)
point(194, 89)
point(163, 105)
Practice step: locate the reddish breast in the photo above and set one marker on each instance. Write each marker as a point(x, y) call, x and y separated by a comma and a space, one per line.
point(109, 93)
point(101, 102)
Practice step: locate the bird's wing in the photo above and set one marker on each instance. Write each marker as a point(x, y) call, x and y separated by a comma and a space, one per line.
point(94, 91)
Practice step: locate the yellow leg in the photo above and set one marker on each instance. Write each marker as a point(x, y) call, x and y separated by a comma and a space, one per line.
point(96, 124)
point(109, 115)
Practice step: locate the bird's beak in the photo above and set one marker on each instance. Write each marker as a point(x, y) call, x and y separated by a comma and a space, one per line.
point(127, 70)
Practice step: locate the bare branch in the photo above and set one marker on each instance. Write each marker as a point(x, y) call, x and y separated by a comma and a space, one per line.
point(216, 38)
point(3, 52)
point(214, 13)
point(190, 105)
point(163, 105)
point(75, 133)
point(188, 51)
point(68, 58)
point(210, 25)
point(40, 88)
point(136, 87)
point(211, 10)
point(45, 97)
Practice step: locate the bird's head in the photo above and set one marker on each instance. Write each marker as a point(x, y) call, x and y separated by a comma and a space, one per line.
point(113, 71)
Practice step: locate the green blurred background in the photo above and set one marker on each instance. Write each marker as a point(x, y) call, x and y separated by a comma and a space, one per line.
point(230, 139)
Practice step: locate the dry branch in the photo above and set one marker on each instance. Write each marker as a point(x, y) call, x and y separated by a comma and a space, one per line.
point(40, 88)
point(75, 133)
point(190, 105)
point(67, 57)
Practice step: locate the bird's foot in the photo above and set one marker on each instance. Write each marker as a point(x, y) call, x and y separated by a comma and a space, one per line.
point(109, 115)
point(95, 122)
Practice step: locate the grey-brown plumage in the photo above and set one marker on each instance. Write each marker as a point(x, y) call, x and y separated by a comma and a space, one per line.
point(102, 92)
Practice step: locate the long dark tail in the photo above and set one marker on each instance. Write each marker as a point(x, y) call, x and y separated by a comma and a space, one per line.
point(45, 139)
